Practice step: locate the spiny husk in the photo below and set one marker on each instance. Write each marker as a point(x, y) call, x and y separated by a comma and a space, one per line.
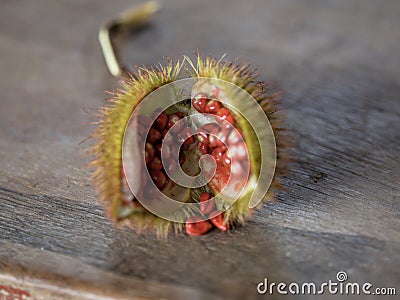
point(114, 117)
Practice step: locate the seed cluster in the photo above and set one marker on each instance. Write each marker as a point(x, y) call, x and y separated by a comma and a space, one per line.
point(198, 225)
point(158, 138)
point(222, 142)
point(219, 139)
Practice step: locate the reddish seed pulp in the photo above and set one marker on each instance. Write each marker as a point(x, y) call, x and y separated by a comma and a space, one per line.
point(199, 102)
point(224, 114)
point(197, 226)
point(226, 160)
point(213, 107)
point(153, 136)
point(217, 218)
point(202, 147)
point(217, 153)
point(155, 164)
point(174, 119)
point(161, 121)
point(209, 139)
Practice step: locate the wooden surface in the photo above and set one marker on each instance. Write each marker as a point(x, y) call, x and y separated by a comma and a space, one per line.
point(338, 63)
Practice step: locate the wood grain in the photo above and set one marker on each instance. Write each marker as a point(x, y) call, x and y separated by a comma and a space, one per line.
point(338, 65)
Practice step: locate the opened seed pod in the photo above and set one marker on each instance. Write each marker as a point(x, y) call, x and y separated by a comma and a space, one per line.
point(188, 145)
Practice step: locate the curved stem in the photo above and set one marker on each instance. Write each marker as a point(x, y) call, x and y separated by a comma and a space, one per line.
point(133, 18)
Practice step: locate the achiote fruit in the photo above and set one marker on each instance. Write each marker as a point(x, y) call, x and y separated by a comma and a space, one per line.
point(188, 146)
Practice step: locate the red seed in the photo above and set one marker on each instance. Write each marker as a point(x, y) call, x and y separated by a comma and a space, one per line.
point(161, 121)
point(159, 178)
point(222, 170)
point(190, 140)
point(155, 164)
point(230, 119)
point(153, 136)
point(217, 153)
point(226, 159)
point(187, 143)
point(174, 119)
point(206, 205)
point(202, 147)
point(202, 137)
point(217, 218)
point(197, 226)
point(214, 141)
point(204, 197)
point(224, 114)
point(200, 101)
point(213, 107)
